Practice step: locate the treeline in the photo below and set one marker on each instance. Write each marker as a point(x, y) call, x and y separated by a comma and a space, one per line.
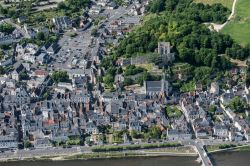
point(133, 70)
point(24, 8)
point(225, 146)
point(182, 23)
point(237, 52)
point(198, 12)
point(73, 5)
point(145, 76)
point(8, 12)
point(6, 28)
point(248, 76)
point(134, 147)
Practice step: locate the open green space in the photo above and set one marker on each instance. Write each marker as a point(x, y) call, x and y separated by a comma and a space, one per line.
point(134, 147)
point(173, 112)
point(230, 147)
point(240, 149)
point(239, 27)
point(211, 148)
point(227, 3)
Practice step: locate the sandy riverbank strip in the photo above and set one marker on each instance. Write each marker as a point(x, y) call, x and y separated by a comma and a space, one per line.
point(103, 155)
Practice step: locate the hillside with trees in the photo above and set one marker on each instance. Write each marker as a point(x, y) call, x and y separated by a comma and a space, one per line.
point(181, 22)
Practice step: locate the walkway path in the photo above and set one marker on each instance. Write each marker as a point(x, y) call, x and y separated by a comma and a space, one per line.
point(218, 27)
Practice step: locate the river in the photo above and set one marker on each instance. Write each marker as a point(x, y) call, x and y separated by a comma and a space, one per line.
point(232, 158)
point(140, 161)
point(221, 159)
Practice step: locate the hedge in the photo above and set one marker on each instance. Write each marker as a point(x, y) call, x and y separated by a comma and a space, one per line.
point(134, 147)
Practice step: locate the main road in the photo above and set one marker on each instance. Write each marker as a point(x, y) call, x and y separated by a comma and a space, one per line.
point(200, 150)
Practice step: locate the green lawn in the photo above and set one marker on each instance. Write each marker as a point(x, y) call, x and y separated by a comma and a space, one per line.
point(227, 3)
point(211, 148)
point(173, 111)
point(239, 27)
point(188, 87)
point(235, 148)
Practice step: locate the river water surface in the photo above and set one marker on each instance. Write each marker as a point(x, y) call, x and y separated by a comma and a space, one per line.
point(232, 158)
point(221, 159)
point(141, 161)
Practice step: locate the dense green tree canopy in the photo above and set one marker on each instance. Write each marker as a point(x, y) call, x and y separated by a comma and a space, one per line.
point(248, 76)
point(133, 70)
point(60, 76)
point(2, 71)
point(6, 28)
point(182, 23)
point(156, 6)
point(154, 132)
point(73, 5)
point(237, 104)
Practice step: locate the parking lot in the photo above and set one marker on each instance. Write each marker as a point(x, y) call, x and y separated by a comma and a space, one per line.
point(72, 48)
point(82, 47)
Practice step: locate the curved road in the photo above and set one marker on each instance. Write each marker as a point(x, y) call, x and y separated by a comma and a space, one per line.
point(218, 27)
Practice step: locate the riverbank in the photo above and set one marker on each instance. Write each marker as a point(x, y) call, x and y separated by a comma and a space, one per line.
point(117, 155)
point(224, 147)
point(184, 151)
point(224, 158)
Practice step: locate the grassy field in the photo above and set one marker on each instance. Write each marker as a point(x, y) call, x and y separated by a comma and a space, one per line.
point(227, 3)
point(239, 27)
point(229, 147)
point(211, 148)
